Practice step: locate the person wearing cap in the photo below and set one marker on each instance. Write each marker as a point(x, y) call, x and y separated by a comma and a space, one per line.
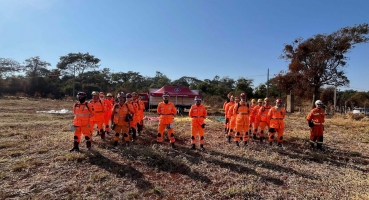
point(229, 95)
point(262, 117)
point(81, 122)
point(316, 119)
point(120, 118)
point(198, 114)
point(226, 109)
point(232, 119)
point(257, 117)
point(167, 111)
point(99, 108)
point(107, 110)
point(133, 122)
point(252, 117)
point(276, 117)
point(242, 110)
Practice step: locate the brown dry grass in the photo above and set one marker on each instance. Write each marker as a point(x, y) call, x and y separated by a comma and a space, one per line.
point(35, 162)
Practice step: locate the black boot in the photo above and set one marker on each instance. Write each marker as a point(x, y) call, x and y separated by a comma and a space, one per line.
point(319, 146)
point(115, 143)
point(254, 137)
point(237, 144)
point(270, 143)
point(202, 147)
point(102, 134)
point(279, 144)
point(193, 147)
point(173, 146)
point(127, 144)
point(312, 145)
point(245, 144)
point(88, 145)
point(261, 139)
point(229, 139)
point(75, 147)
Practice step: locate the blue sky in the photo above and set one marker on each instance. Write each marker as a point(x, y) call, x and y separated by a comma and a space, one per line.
point(196, 38)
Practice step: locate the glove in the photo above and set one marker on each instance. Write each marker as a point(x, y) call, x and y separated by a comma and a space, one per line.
point(203, 125)
point(311, 124)
point(112, 126)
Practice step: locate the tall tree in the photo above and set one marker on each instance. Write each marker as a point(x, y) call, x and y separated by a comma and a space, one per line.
point(35, 70)
point(77, 63)
point(319, 60)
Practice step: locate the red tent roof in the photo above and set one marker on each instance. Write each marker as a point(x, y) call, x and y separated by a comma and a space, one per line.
point(175, 91)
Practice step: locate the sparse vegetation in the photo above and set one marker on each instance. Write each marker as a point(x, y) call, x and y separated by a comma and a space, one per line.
point(34, 155)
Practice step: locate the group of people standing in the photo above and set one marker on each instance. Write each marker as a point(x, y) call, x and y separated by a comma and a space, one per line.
point(242, 120)
point(122, 118)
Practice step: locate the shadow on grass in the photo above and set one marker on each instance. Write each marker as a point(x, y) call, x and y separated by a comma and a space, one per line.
point(95, 158)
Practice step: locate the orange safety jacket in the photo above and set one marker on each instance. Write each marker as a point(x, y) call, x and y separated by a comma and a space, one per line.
point(231, 112)
point(135, 106)
point(263, 113)
point(198, 113)
point(224, 105)
point(82, 114)
point(317, 116)
point(227, 106)
point(276, 116)
point(252, 107)
point(242, 112)
point(141, 109)
point(166, 112)
point(119, 113)
point(99, 108)
point(255, 112)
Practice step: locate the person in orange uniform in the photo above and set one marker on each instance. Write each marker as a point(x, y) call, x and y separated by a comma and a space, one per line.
point(263, 117)
point(226, 109)
point(167, 111)
point(252, 117)
point(198, 113)
point(276, 122)
point(229, 95)
point(98, 118)
point(242, 110)
point(254, 112)
point(316, 119)
point(139, 115)
point(120, 118)
point(232, 119)
point(109, 103)
point(133, 122)
point(82, 114)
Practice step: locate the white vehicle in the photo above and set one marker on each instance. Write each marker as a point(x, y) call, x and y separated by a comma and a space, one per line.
point(364, 111)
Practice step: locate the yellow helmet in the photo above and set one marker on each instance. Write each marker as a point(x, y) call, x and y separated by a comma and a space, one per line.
point(94, 93)
point(253, 101)
point(266, 99)
point(260, 101)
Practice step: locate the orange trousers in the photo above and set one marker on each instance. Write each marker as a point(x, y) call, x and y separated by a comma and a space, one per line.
point(316, 133)
point(82, 130)
point(99, 126)
point(197, 129)
point(242, 129)
point(262, 127)
point(161, 130)
point(232, 126)
point(272, 132)
point(121, 129)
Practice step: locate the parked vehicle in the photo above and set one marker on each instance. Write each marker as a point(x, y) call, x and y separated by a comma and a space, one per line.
point(364, 111)
point(181, 97)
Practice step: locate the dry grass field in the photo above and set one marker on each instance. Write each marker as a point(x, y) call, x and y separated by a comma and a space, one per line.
point(35, 162)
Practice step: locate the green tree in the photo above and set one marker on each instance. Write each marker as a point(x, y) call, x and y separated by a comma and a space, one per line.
point(319, 60)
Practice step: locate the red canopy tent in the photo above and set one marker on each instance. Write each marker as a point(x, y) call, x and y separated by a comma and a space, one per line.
point(175, 91)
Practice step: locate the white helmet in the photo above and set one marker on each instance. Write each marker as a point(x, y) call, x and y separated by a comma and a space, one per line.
point(318, 102)
point(197, 98)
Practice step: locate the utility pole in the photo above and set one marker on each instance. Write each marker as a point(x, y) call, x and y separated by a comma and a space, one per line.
point(74, 77)
point(267, 94)
point(335, 99)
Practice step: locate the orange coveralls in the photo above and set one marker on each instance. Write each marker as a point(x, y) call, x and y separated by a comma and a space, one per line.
point(135, 118)
point(252, 117)
point(276, 123)
point(82, 114)
point(167, 113)
point(107, 114)
point(317, 116)
point(242, 120)
point(232, 120)
point(98, 118)
point(226, 126)
point(198, 113)
point(140, 115)
point(263, 117)
point(119, 113)
point(254, 112)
